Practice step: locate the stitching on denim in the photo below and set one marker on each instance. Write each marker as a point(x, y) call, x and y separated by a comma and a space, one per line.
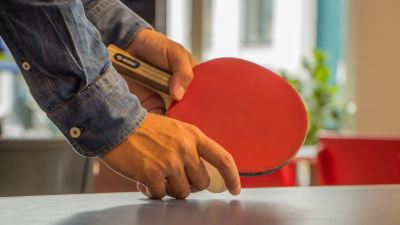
point(10, 32)
point(95, 10)
point(79, 65)
point(11, 37)
point(122, 136)
point(51, 113)
point(104, 76)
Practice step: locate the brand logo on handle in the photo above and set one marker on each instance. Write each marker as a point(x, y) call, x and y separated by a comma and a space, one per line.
point(126, 60)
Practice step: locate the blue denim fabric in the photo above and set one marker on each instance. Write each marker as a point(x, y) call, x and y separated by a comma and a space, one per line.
point(115, 21)
point(61, 54)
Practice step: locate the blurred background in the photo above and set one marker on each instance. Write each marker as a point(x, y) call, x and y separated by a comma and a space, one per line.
point(341, 55)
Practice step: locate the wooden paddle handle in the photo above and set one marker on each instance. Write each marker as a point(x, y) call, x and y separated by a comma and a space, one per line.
point(133, 69)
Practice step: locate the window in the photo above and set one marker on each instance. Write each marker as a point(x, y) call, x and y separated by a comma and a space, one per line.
point(257, 22)
point(275, 34)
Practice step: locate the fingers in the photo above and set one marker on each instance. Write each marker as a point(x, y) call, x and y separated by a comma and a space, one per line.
point(222, 160)
point(188, 173)
point(148, 98)
point(178, 185)
point(180, 180)
point(156, 188)
point(182, 73)
point(197, 174)
point(156, 49)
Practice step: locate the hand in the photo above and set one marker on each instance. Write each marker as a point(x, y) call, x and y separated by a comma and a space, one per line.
point(163, 155)
point(156, 49)
point(149, 99)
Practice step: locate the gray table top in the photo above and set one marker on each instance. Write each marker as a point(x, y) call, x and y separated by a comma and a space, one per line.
point(353, 205)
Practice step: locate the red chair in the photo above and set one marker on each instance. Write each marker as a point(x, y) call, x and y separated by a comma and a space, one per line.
point(286, 176)
point(352, 160)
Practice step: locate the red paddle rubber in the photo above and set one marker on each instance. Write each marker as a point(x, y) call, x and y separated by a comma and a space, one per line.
point(252, 112)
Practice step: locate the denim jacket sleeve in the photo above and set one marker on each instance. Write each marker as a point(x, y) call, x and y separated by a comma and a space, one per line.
point(67, 68)
point(116, 23)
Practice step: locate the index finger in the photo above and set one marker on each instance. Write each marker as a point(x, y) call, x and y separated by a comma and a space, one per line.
point(182, 72)
point(222, 160)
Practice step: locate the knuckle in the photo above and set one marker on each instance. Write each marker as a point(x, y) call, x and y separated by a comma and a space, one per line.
point(179, 47)
point(185, 147)
point(153, 173)
point(177, 127)
point(171, 162)
point(195, 130)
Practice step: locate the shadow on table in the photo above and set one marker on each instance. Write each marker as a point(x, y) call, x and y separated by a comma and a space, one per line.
point(193, 212)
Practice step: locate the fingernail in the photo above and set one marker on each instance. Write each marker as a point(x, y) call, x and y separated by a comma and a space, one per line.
point(180, 91)
point(236, 191)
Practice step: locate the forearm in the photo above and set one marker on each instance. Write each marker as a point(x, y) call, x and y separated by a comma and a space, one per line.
point(68, 71)
point(116, 23)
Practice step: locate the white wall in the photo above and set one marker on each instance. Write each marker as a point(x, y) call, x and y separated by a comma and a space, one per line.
point(373, 59)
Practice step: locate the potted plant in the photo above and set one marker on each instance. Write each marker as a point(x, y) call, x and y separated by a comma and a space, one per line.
point(319, 95)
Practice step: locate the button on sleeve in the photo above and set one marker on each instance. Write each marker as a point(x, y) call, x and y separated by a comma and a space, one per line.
point(75, 132)
point(26, 66)
point(101, 116)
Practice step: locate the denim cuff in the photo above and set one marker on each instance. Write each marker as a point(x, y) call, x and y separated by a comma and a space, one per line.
point(116, 23)
point(101, 116)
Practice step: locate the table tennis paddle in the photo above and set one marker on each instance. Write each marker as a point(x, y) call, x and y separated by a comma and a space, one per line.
point(253, 113)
